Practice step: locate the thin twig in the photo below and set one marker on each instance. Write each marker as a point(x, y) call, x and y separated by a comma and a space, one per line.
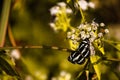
point(37, 47)
point(12, 40)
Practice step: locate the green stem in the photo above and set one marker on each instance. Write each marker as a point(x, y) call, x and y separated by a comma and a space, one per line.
point(112, 59)
point(117, 42)
point(83, 17)
point(4, 21)
point(110, 43)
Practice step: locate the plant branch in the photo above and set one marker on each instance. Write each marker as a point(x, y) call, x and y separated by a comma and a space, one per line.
point(81, 12)
point(4, 21)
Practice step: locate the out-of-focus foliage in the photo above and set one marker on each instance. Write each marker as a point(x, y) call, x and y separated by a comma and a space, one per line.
point(6, 67)
point(29, 22)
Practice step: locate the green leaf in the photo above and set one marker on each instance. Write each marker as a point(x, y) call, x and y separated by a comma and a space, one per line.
point(68, 1)
point(4, 55)
point(112, 43)
point(96, 66)
point(5, 66)
point(101, 49)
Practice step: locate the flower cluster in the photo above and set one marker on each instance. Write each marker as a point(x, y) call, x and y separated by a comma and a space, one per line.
point(92, 31)
point(63, 76)
point(61, 13)
point(84, 5)
point(57, 9)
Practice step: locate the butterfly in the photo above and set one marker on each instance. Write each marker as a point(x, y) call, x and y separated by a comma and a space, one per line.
point(81, 53)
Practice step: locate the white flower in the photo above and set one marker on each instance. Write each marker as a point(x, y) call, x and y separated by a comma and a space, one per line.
point(94, 24)
point(69, 35)
point(94, 27)
point(28, 77)
point(73, 30)
point(64, 76)
point(106, 31)
point(92, 36)
point(89, 28)
point(82, 32)
point(68, 76)
point(77, 38)
point(15, 54)
point(62, 4)
point(83, 36)
point(91, 5)
point(102, 24)
point(92, 39)
point(63, 73)
point(52, 25)
point(54, 10)
point(74, 42)
point(87, 36)
point(73, 36)
point(83, 4)
point(91, 33)
point(68, 10)
point(92, 50)
point(53, 78)
point(80, 26)
point(100, 34)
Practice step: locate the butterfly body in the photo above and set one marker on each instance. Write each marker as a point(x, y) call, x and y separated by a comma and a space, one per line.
point(83, 51)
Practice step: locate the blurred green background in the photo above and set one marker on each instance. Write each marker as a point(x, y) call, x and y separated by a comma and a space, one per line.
point(29, 22)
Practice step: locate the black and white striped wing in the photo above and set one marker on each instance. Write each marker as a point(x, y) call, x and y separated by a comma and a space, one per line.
point(81, 53)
